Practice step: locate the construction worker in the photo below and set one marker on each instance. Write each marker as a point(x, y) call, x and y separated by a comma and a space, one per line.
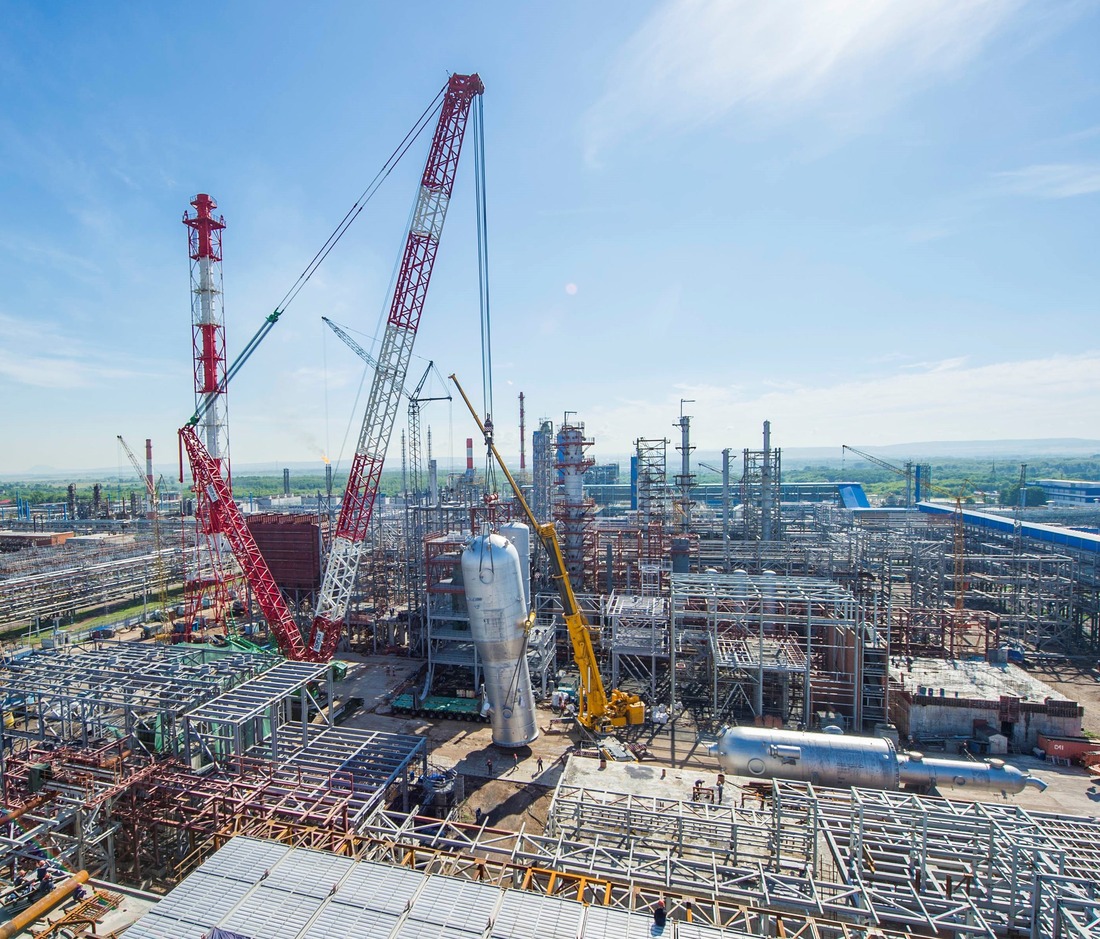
point(659, 913)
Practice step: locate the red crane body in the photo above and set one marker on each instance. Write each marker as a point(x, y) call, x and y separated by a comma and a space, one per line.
point(225, 517)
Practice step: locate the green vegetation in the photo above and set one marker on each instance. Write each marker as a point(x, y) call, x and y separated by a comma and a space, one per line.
point(977, 481)
point(37, 492)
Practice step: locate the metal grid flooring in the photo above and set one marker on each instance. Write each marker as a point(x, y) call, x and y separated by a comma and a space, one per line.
point(174, 678)
point(254, 697)
point(79, 694)
point(265, 890)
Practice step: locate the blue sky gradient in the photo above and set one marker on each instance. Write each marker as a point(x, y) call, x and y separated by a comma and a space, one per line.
point(869, 223)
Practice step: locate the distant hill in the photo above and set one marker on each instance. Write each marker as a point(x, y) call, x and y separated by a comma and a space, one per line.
point(1051, 446)
point(1009, 450)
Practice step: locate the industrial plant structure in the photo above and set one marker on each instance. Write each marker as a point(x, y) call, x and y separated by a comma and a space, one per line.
point(749, 619)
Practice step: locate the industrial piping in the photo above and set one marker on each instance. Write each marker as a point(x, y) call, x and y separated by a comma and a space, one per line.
point(16, 925)
point(868, 762)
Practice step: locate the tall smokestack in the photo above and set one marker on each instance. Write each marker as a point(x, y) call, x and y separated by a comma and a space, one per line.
point(522, 436)
point(149, 470)
point(208, 325)
point(470, 457)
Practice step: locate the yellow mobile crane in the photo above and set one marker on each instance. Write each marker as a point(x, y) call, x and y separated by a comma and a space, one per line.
point(596, 710)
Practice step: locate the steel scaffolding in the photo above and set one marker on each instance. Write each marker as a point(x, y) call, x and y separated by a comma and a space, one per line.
point(82, 696)
point(796, 861)
point(784, 649)
point(639, 640)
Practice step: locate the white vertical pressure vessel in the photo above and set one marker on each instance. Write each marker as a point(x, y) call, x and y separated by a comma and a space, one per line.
point(498, 618)
point(520, 536)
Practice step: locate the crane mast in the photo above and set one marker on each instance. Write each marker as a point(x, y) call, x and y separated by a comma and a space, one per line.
point(416, 466)
point(421, 245)
point(146, 476)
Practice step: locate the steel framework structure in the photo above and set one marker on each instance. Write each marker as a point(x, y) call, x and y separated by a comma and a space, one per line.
point(783, 647)
point(81, 696)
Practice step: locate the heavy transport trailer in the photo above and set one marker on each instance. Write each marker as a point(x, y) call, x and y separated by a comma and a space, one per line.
point(439, 707)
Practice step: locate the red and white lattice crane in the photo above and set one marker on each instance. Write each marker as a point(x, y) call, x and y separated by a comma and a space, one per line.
point(211, 485)
point(436, 185)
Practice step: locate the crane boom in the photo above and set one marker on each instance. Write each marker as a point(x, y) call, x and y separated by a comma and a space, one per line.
point(226, 518)
point(594, 708)
point(877, 461)
point(352, 344)
point(145, 477)
point(421, 245)
point(154, 516)
point(906, 471)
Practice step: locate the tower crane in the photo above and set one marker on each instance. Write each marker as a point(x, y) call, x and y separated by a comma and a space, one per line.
point(415, 400)
point(421, 245)
point(959, 540)
point(596, 709)
point(959, 523)
point(907, 472)
point(154, 515)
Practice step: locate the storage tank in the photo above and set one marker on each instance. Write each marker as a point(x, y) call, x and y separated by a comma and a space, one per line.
point(498, 619)
point(867, 762)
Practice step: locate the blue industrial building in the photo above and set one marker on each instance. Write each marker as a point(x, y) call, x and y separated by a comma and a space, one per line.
point(1070, 491)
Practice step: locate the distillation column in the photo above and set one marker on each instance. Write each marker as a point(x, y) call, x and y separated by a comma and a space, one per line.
point(575, 510)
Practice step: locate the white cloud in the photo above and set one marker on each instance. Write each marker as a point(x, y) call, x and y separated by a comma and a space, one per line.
point(1057, 396)
point(40, 355)
point(1052, 180)
point(695, 61)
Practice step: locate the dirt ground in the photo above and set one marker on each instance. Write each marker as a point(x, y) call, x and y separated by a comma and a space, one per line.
point(507, 785)
point(512, 791)
point(1079, 681)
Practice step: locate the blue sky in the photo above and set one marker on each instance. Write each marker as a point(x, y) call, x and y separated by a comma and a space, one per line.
point(867, 222)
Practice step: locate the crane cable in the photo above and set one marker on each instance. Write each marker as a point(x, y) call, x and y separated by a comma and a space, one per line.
point(323, 252)
point(483, 284)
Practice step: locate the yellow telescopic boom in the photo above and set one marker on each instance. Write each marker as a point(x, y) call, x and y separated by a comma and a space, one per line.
point(593, 710)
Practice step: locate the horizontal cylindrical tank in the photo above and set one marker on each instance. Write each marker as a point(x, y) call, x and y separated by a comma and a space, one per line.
point(498, 625)
point(867, 762)
point(921, 772)
point(821, 759)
